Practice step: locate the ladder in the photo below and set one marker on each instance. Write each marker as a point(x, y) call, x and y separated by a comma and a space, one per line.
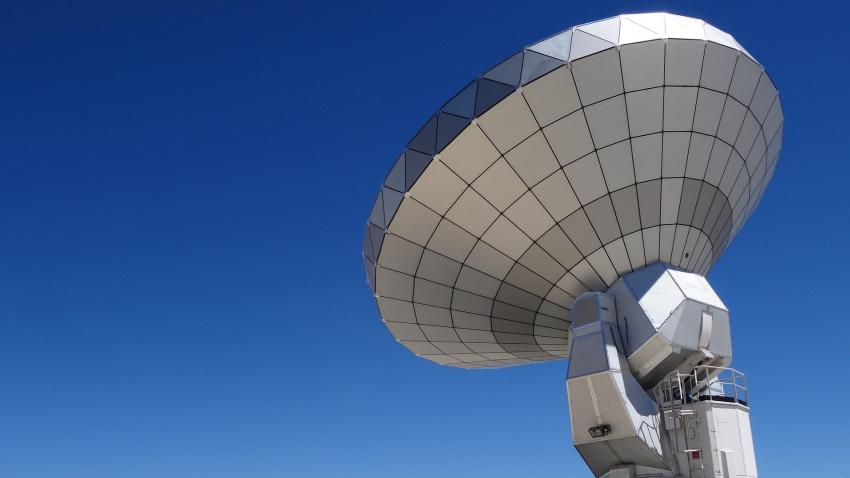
point(694, 454)
point(672, 395)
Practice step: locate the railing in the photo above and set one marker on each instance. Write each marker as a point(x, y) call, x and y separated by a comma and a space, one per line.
point(704, 383)
point(721, 385)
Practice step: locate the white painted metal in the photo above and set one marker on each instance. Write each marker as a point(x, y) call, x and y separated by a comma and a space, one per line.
point(600, 150)
point(623, 156)
point(693, 421)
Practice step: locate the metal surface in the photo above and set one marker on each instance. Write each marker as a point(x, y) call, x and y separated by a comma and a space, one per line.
point(586, 156)
point(694, 421)
point(568, 202)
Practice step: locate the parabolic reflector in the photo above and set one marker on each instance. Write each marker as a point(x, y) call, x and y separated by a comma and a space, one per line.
point(602, 149)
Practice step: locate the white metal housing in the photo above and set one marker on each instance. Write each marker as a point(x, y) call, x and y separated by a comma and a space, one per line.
point(647, 385)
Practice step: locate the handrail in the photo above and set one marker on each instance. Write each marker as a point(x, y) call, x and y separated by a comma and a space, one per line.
point(703, 383)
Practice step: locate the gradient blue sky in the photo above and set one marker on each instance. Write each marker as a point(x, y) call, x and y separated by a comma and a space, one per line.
point(183, 190)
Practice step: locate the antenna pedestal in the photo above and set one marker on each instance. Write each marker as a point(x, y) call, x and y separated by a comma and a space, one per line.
point(648, 388)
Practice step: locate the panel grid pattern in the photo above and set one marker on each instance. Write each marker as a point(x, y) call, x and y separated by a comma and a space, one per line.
point(591, 154)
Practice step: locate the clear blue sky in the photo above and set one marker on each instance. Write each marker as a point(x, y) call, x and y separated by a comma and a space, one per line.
point(183, 190)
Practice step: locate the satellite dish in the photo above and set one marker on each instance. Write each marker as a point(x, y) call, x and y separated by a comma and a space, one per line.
point(594, 153)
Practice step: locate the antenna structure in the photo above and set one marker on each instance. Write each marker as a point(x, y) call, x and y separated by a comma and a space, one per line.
point(568, 203)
